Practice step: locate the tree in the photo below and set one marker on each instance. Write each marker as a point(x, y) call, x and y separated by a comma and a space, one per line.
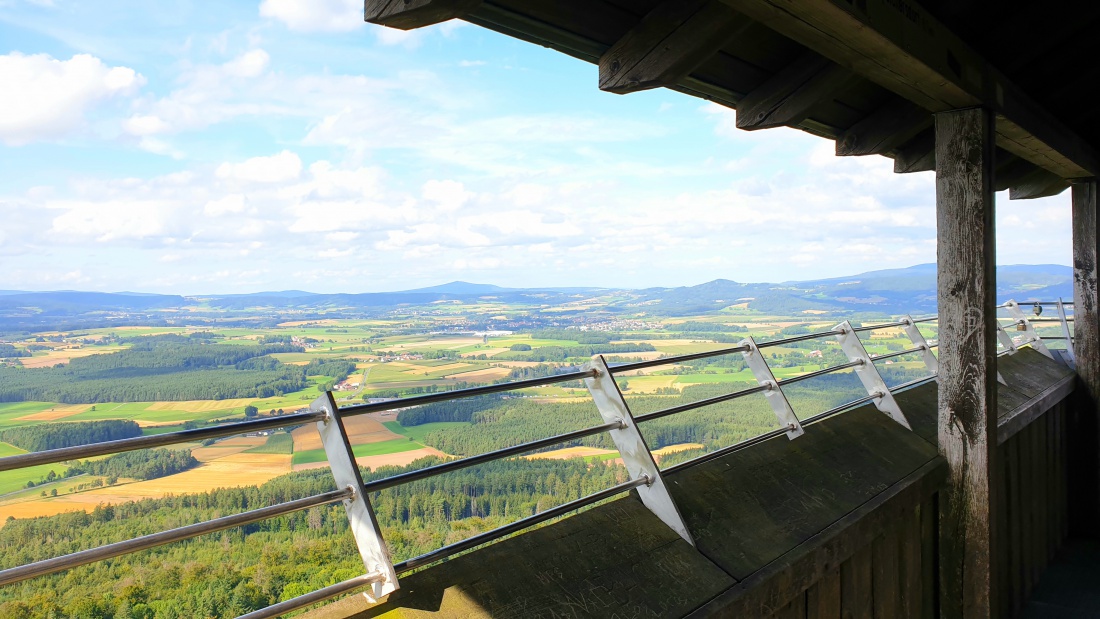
point(251, 411)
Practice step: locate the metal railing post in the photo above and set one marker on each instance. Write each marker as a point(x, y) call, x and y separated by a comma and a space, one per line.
point(632, 447)
point(1066, 333)
point(1033, 338)
point(868, 374)
point(931, 363)
point(363, 524)
point(758, 365)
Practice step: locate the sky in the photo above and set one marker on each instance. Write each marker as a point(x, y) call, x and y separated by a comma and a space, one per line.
point(196, 147)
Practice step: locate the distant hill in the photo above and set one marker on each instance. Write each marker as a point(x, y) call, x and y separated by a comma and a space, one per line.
point(890, 291)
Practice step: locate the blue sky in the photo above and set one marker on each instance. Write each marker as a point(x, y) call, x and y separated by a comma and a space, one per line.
point(274, 144)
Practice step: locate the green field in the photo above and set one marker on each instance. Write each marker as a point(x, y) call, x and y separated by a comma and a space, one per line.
point(11, 481)
point(417, 433)
point(280, 443)
point(382, 448)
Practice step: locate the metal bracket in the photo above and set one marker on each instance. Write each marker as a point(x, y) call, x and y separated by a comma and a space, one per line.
point(758, 365)
point(1018, 315)
point(915, 336)
point(1005, 339)
point(868, 373)
point(632, 447)
point(1066, 332)
point(363, 524)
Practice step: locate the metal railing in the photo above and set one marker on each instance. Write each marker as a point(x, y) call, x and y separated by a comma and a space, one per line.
point(645, 476)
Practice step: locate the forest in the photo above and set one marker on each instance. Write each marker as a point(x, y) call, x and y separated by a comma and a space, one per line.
point(227, 574)
point(57, 435)
point(160, 368)
point(142, 464)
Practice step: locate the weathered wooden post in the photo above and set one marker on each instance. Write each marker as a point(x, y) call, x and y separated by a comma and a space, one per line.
point(1084, 421)
point(966, 282)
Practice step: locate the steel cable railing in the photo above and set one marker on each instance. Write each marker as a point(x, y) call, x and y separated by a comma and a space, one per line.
point(621, 424)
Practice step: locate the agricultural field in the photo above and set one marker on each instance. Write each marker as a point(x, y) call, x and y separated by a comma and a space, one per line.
point(421, 351)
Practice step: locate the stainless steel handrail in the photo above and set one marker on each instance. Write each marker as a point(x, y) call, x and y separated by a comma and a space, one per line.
point(63, 454)
point(454, 465)
point(320, 595)
point(145, 542)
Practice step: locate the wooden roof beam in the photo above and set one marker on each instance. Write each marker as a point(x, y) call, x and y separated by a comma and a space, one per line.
point(1039, 183)
point(918, 155)
point(670, 42)
point(412, 14)
point(884, 130)
point(787, 97)
point(903, 48)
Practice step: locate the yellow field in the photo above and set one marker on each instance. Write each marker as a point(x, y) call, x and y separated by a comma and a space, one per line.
point(231, 471)
point(649, 383)
point(488, 352)
point(60, 411)
point(671, 449)
point(361, 429)
point(373, 462)
point(298, 323)
point(569, 452)
point(485, 375)
point(199, 406)
point(228, 447)
point(64, 355)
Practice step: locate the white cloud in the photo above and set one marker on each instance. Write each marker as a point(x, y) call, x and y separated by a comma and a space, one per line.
point(249, 64)
point(448, 195)
point(278, 168)
point(46, 98)
point(233, 203)
point(315, 15)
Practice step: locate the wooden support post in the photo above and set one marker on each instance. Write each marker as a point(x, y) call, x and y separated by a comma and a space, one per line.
point(968, 363)
point(1084, 418)
point(668, 44)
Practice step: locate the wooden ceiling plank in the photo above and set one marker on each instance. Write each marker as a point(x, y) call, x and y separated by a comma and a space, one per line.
point(884, 130)
point(411, 14)
point(788, 97)
point(670, 42)
point(903, 48)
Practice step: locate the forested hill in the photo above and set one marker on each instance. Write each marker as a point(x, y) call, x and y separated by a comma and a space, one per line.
point(167, 368)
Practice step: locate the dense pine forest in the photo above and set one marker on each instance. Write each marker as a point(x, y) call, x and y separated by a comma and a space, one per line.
point(230, 573)
point(141, 464)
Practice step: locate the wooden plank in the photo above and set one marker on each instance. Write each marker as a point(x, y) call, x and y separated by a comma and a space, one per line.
point(670, 42)
point(1004, 566)
point(1053, 500)
point(884, 130)
point(967, 357)
point(787, 98)
point(410, 14)
point(1027, 512)
point(857, 588)
point(796, 609)
point(614, 559)
point(771, 586)
point(1039, 461)
point(1034, 408)
point(909, 545)
point(903, 48)
point(885, 574)
point(917, 155)
point(929, 513)
point(1085, 431)
point(783, 492)
point(823, 599)
point(1015, 519)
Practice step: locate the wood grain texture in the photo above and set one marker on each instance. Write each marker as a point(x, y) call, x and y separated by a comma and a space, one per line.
point(410, 14)
point(967, 356)
point(884, 130)
point(823, 599)
point(1085, 420)
point(916, 155)
point(788, 97)
point(668, 44)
